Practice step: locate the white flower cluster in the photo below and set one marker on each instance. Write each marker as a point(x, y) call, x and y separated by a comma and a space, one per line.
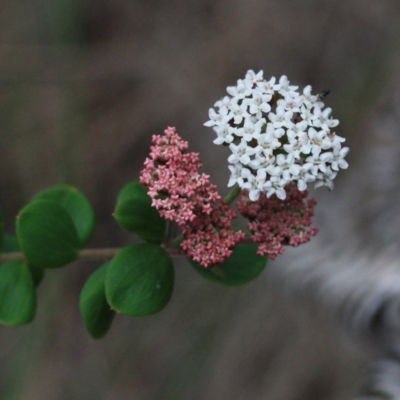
point(276, 136)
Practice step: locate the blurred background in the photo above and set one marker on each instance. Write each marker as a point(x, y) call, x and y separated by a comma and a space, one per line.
point(84, 85)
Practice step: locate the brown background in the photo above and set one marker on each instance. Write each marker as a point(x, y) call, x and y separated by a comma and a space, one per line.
point(84, 85)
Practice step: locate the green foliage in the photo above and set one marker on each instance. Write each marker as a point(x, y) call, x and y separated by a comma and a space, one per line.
point(243, 266)
point(47, 234)
point(95, 311)
point(76, 205)
point(140, 280)
point(17, 293)
point(135, 213)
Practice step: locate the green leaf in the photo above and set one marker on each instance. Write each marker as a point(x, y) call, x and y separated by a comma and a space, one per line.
point(47, 235)
point(11, 245)
point(140, 280)
point(17, 293)
point(76, 205)
point(95, 311)
point(242, 267)
point(135, 213)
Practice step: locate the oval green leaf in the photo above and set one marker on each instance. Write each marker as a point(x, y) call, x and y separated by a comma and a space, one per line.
point(47, 235)
point(135, 213)
point(17, 293)
point(76, 205)
point(242, 267)
point(11, 245)
point(140, 280)
point(95, 311)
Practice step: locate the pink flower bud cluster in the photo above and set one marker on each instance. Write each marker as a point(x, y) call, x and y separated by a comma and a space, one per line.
point(181, 194)
point(275, 222)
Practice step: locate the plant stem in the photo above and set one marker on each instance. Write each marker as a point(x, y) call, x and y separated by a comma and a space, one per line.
point(88, 254)
point(231, 196)
point(85, 254)
point(19, 256)
point(176, 242)
point(96, 254)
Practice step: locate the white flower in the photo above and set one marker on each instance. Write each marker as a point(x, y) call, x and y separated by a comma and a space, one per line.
point(304, 177)
point(336, 140)
point(326, 179)
point(319, 140)
point(240, 153)
point(297, 144)
point(250, 130)
point(274, 170)
point(276, 185)
point(283, 86)
point(336, 158)
point(254, 184)
point(254, 78)
point(240, 91)
point(285, 162)
point(223, 103)
point(267, 141)
point(224, 134)
point(296, 128)
point(236, 175)
point(306, 115)
point(291, 103)
point(217, 118)
point(281, 118)
point(259, 102)
point(308, 98)
point(322, 120)
point(238, 113)
point(261, 162)
point(276, 135)
point(267, 86)
point(317, 162)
